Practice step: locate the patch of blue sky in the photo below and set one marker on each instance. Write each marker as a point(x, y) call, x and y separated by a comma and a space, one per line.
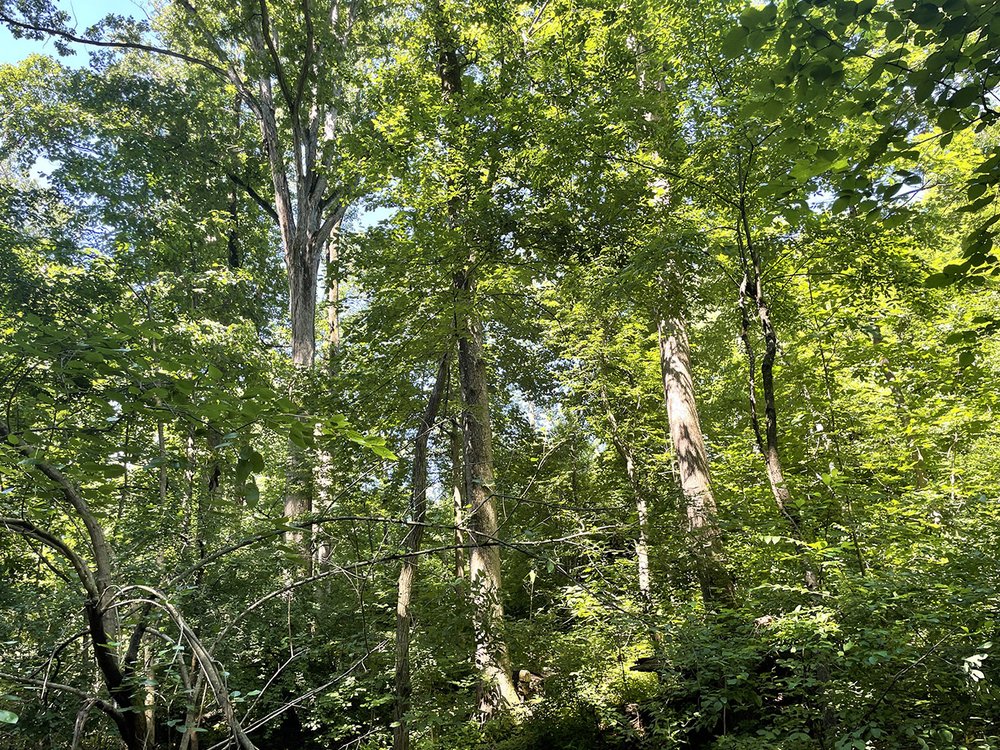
point(83, 14)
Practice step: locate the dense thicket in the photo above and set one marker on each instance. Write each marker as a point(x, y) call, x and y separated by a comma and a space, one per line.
point(569, 374)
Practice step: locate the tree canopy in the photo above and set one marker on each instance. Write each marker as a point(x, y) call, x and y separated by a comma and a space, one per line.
point(563, 374)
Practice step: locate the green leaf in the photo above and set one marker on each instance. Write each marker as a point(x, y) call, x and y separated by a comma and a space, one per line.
point(975, 190)
point(965, 96)
point(735, 42)
point(938, 280)
point(382, 452)
point(821, 72)
point(252, 494)
point(7, 717)
point(949, 119)
point(925, 15)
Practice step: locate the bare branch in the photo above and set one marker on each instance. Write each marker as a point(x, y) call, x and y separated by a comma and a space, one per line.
point(103, 705)
point(28, 529)
point(257, 197)
point(69, 37)
point(279, 73)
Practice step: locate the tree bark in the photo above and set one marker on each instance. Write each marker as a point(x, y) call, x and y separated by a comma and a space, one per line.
point(692, 461)
point(642, 538)
point(333, 295)
point(497, 691)
point(408, 570)
point(458, 495)
point(753, 282)
point(102, 626)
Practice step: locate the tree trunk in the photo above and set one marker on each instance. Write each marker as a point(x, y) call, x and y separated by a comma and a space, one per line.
point(102, 622)
point(408, 570)
point(692, 461)
point(753, 280)
point(149, 699)
point(496, 691)
point(333, 296)
point(233, 250)
point(642, 541)
point(458, 495)
point(324, 478)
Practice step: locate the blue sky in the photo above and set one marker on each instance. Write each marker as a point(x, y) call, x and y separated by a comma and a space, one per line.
point(86, 13)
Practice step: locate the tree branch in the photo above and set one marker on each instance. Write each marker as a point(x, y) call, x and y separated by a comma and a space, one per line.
point(69, 37)
point(26, 528)
point(103, 705)
point(257, 197)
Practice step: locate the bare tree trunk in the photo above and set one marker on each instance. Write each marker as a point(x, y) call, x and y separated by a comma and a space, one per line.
point(102, 622)
point(692, 461)
point(194, 710)
point(458, 495)
point(768, 446)
point(333, 295)
point(642, 538)
point(233, 234)
point(642, 511)
point(324, 500)
point(497, 691)
point(149, 699)
point(753, 282)
point(324, 478)
point(408, 570)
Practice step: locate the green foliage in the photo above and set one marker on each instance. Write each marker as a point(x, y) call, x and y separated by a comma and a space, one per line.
point(596, 167)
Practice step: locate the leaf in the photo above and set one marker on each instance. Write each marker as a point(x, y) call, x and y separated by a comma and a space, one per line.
point(938, 280)
point(735, 42)
point(925, 15)
point(252, 494)
point(7, 717)
point(383, 452)
point(949, 118)
point(821, 72)
point(966, 358)
point(965, 96)
point(256, 461)
point(975, 190)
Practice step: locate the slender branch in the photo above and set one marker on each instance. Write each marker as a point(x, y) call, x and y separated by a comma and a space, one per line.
point(265, 28)
point(26, 528)
point(257, 197)
point(99, 703)
point(98, 543)
point(216, 679)
point(307, 58)
point(69, 37)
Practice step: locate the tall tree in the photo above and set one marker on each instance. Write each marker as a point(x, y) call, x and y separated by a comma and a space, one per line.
point(408, 570)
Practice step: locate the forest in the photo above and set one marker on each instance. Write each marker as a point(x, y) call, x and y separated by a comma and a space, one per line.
point(500, 375)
